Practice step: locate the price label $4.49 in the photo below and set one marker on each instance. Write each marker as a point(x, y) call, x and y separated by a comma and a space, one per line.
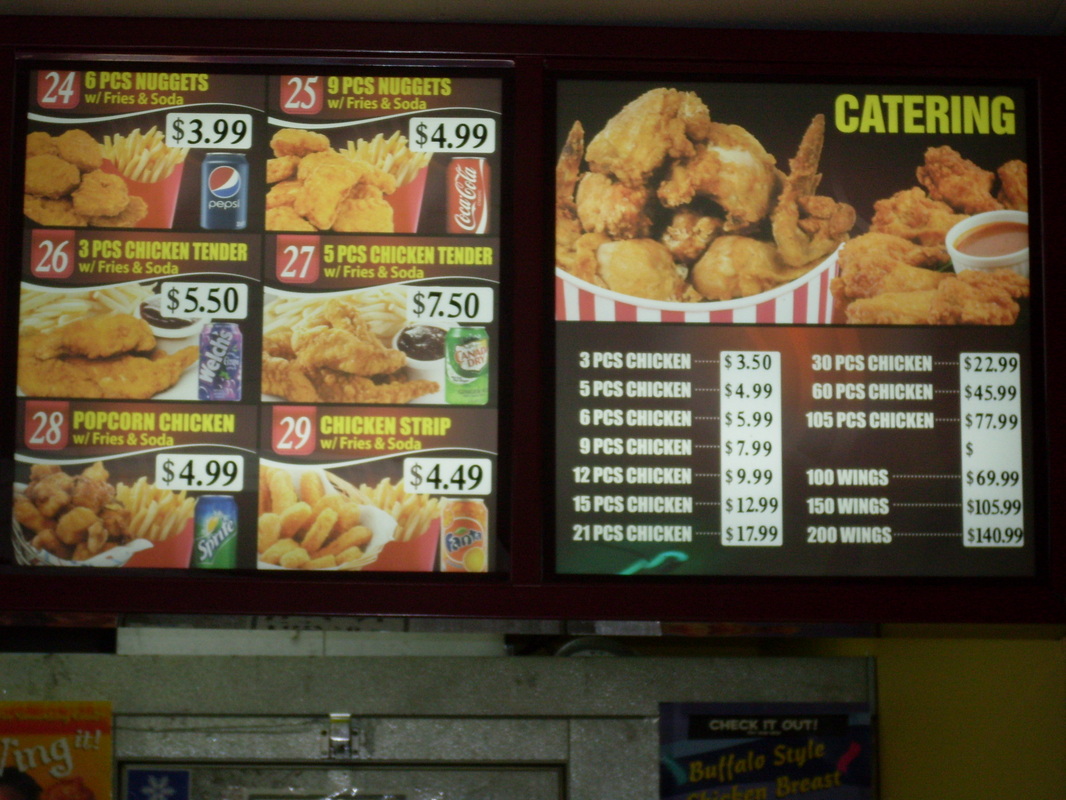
point(448, 476)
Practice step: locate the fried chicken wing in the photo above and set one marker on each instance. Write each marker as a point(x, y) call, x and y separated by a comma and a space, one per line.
point(912, 214)
point(733, 169)
point(660, 124)
point(1014, 185)
point(957, 181)
point(808, 227)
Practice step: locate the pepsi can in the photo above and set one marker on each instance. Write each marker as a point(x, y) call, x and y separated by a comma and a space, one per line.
point(224, 192)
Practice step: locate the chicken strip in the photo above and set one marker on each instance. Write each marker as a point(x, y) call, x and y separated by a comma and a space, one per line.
point(338, 387)
point(733, 169)
point(342, 350)
point(911, 214)
point(96, 337)
point(660, 124)
point(957, 181)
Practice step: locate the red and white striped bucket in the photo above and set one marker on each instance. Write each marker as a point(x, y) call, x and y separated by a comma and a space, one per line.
point(804, 301)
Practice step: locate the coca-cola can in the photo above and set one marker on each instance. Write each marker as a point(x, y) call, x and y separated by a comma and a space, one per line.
point(468, 195)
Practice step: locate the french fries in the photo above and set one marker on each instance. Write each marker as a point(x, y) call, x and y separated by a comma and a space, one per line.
point(143, 157)
point(391, 155)
point(155, 514)
point(384, 308)
point(413, 512)
point(42, 310)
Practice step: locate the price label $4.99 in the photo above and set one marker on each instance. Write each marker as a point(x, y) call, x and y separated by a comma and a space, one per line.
point(181, 473)
point(448, 476)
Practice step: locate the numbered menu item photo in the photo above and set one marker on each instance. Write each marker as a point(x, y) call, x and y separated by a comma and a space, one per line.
point(794, 341)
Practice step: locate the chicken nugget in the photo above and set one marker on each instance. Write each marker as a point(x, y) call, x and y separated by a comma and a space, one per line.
point(49, 211)
point(101, 194)
point(319, 531)
point(269, 531)
point(274, 553)
point(46, 540)
point(283, 194)
point(295, 142)
point(294, 559)
point(294, 518)
point(40, 143)
point(74, 525)
point(285, 218)
point(364, 215)
point(80, 149)
point(282, 167)
point(27, 515)
point(134, 212)
point(48, 175)
point(324, 190)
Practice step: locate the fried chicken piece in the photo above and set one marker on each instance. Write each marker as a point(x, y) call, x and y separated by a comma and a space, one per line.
point(808, 227)
point(639, 268)
point(296, 142)
point(689, 234)
point(1014, 185)
point(338, 387)
point(365, 211)
point(46, 540)
point(324, 189)
point(739, 266)
point(48, 175)
point(96, 337)
point(50, 493)
point(284, 378)
point(660, 124)
point(29, 516)
point(123, 377)
point(73, 526)
point(48, 211)
point(101, 194)
point(281, 168)
point(607, 206)
point(344, 351)
point(283, 194)
point(876, 263)
point(40, 143)
point(911, 214)
point(957, 181)
point(92, 494)
point(733, 169)
point(1006, 279)
point(285, 218)
point(567, 170)
point(80, 149)
point(953, 302)
point(134, 212)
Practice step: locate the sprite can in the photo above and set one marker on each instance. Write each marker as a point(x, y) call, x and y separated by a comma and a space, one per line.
point(215, 527)
point(466, 366)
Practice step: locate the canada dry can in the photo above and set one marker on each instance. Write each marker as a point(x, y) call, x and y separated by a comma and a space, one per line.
point(468, 195)
point(221, 344)
point(466, 366)
point(464, 536)
point(215, 542)
point(224, 192)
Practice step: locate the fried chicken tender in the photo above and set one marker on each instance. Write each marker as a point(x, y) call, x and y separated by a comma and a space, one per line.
point(733, 169)
point(640, 268)
point(101, 194)
point(96, 337)
point(739, 266)
point(48, 175)
point(1014, 185)
point(295, 142)
point(912, 214)
point(607, 206)
point(80, 149)
point(808, 227)
point(339, 387)
point(957, 181)
point(285, 378)
point(660, 124)
point(48, 211)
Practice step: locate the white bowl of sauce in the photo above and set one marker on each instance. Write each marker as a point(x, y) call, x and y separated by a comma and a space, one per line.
point(991, 240)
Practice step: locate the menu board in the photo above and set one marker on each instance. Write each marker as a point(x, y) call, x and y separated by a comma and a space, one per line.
point(793, 329)
point(258, 320)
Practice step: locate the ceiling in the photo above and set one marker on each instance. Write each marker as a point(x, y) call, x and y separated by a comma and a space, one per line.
point(1026, 17)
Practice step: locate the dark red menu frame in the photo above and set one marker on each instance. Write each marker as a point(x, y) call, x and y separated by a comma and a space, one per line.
point(539, 56)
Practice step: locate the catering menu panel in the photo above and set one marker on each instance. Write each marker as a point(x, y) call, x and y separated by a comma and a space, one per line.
point(794, 329)
point(258, 319)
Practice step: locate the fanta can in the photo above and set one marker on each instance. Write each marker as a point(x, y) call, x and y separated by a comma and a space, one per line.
point(464, 536)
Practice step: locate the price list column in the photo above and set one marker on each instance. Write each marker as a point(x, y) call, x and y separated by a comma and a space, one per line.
point(990, 417)
point(381, 323)
point(750, 432)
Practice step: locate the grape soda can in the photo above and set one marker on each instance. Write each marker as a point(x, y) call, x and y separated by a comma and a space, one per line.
point(468, 195)
point(220, 361)
point(224, 192)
